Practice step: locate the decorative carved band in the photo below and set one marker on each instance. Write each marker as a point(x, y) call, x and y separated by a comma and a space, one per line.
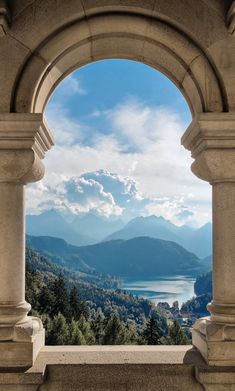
point(210, 131)
point(25, 131)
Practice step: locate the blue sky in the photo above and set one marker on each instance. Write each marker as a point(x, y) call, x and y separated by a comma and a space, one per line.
point(117, 126)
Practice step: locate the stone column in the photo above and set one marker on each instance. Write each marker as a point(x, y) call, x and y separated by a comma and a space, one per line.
point(24, 139)
point(211, 139)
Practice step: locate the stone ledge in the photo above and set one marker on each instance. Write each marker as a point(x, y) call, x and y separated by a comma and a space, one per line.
point(123, 354)
point(102, 368)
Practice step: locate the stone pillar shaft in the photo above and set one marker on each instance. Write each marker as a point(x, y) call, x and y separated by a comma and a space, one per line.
point(24, 139)
point(12, 244)
point(223, 203)
point(211, 139)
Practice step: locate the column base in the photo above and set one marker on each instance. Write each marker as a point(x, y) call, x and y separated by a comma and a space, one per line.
point(22, 350)
point(215, 341)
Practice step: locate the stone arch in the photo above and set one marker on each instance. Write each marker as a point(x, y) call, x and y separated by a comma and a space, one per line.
point(192, 42)
point(119, 35)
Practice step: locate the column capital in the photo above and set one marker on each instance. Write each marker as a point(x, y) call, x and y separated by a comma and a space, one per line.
point(211, 140)
point(24, 140)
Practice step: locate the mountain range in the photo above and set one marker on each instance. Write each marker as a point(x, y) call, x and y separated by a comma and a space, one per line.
point(142, 256)
point(87, 229)
point(198, 241)
point(90, 229)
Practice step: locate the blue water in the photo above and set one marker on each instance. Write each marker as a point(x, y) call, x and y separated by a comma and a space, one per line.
point(167, 288)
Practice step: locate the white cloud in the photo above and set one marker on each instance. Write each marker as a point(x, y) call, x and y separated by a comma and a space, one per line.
point(67, 132)
point(142, 147)
point(75, 195)
point(70, 86)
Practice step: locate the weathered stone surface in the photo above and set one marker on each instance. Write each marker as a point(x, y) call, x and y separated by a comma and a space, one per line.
point(112, 367)
point(143, 368)
point(50, 32)
point(4, 18)
point(192, 42)
point(211, 139)
point(24, 140)
point(231, 18)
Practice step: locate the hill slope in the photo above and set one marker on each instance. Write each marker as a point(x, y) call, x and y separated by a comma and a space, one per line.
point(152, 226)
point(128, 307)
point(198, 241)
point(141, 256)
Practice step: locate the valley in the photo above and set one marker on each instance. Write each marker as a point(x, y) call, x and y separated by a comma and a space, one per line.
point(131, 277)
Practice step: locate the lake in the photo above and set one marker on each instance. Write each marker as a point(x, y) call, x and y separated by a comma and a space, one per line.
point(166, 288)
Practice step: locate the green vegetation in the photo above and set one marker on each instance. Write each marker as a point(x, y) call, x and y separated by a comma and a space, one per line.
point(120, 258)
point(203, 289)
point(203, 284)
point(76, 312)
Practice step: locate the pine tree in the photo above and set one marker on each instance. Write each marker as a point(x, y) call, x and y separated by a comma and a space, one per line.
point(34, 284)
point(131, 334)
point(97, 326)
point(77, 306)
point(75, 335)
point(176, 334)
point(61, 303)
point(46, 300)
point(115, 333)
point(152, 332)
point(47, 324)
point(86, 330)
point(59, 334)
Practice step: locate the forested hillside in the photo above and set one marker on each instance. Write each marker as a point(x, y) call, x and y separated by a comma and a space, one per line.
point(203, 289)
point(143, 256)
point(77, 312)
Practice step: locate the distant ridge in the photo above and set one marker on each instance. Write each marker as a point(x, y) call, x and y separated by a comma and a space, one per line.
point(51, 223)
point(198, 241)
point(89, 229)
point(141, 256)
point(81, 230)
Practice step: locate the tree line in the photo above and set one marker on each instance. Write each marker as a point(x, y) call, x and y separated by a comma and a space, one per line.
point(70, 320)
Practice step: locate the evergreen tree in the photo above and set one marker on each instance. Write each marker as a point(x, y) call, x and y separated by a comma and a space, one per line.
point(75, 335)
point(34, 284)
point(131, 334)
point(86, 330)
point(97, 326)
point(47, 324)
point(46, 300)
point(177, 335)
point(61, 303)
point(59, 334)
point(152, 332)
point(115, 333)
point(77, 306)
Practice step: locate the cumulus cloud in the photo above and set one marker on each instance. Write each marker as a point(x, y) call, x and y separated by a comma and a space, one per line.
point(101, 192)
point(132, 164)
point(75, 195)
point(107, 194)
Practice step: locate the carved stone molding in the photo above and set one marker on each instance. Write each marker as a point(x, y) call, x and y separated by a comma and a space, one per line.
point(211, 140)
point(24, 140)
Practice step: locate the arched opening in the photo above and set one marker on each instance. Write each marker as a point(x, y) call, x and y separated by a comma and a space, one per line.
point(118, 178)
point(191, 43)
